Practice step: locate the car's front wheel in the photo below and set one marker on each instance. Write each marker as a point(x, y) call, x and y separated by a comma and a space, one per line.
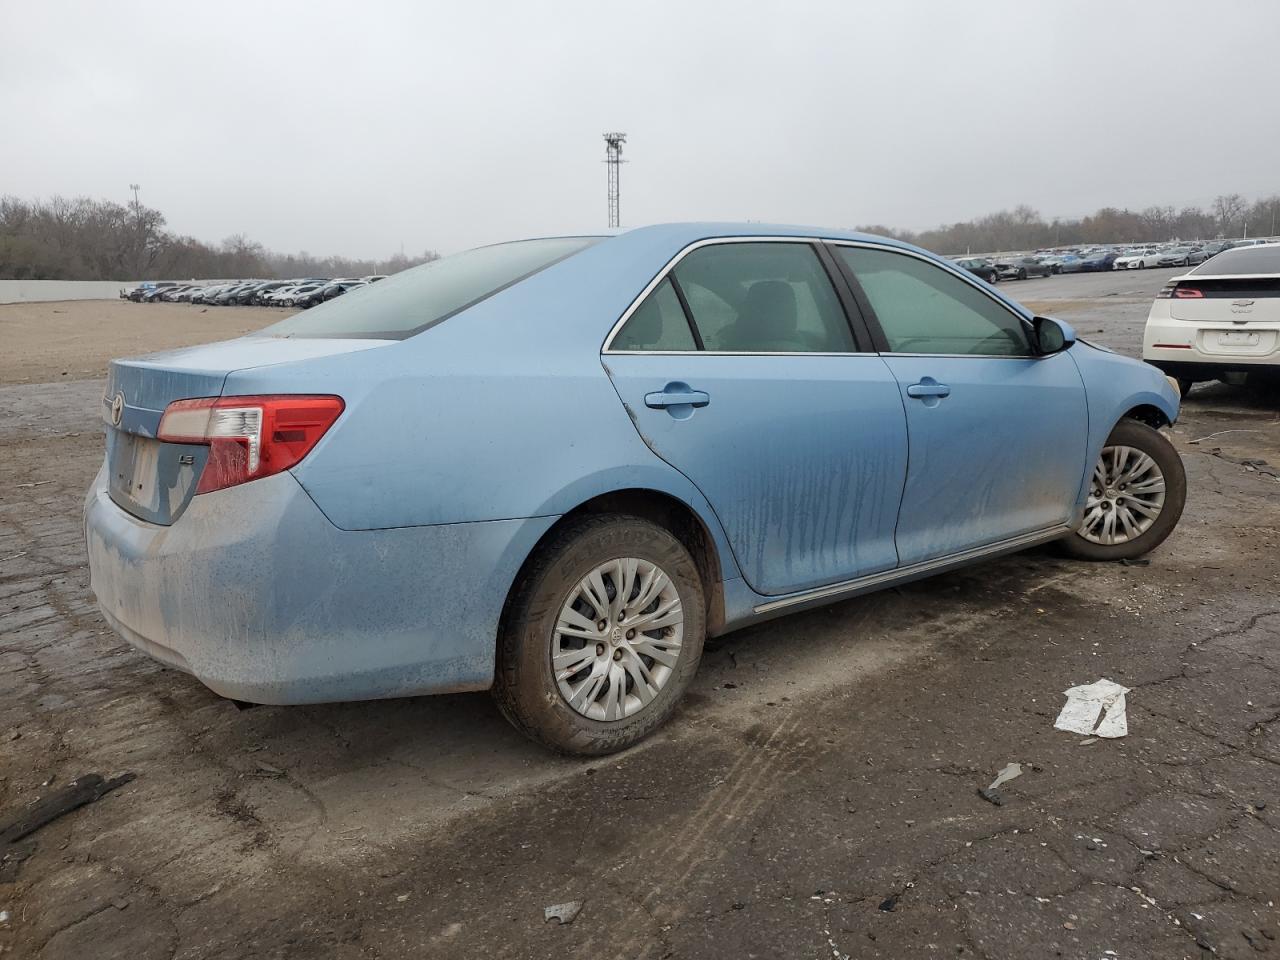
point(1136, 495)
point(602, 636)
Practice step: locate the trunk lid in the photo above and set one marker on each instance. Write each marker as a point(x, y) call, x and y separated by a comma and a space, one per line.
point(153, 480)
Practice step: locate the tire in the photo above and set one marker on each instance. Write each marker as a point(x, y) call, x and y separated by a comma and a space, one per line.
point(552, 586)
point(1022, 274)
point(1184, 386)
point(1089, 542)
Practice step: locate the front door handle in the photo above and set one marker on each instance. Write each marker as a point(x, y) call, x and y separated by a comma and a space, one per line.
point(928, 387)
point(677, 395)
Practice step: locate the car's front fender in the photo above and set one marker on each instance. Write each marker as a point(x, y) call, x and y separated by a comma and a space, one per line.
point(1115, 386)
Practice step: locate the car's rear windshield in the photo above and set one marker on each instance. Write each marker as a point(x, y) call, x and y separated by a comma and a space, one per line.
point(1264, 259)
point(420, 297)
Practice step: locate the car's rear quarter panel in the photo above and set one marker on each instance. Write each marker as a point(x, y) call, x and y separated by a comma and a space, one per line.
point(263, 599)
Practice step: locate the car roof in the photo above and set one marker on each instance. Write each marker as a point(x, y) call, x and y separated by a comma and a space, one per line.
point(685, 233)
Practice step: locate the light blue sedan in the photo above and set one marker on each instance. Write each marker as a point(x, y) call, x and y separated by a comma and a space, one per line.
point(553, 467)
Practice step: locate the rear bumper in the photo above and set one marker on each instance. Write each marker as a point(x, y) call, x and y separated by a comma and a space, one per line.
point(1210, 369)
point(1188, 348)
point(261, 598)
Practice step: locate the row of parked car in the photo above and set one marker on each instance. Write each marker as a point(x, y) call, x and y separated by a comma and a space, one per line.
point(1043, 263)
point(262, 293)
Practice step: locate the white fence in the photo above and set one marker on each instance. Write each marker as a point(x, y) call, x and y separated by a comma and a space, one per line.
point(30, 291)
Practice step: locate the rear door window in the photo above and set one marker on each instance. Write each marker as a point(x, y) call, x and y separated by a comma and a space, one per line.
point(763, 297)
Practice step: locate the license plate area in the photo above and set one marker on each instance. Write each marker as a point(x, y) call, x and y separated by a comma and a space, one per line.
point(1238, 338)
point(1238, 343)
point(152, 480)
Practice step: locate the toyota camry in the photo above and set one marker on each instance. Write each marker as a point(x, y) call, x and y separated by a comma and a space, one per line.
point(553, 467)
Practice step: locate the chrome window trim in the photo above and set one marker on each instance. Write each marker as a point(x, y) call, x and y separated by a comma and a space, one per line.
point(671, 265)
point(731, 353)
point(836, 590)
point(964, 275)
point(972, 356)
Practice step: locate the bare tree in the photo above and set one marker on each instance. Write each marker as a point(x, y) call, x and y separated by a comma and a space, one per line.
point(1228, 210)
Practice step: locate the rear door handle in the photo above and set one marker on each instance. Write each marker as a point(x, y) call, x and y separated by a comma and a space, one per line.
point(928, 387)
point(677, 395)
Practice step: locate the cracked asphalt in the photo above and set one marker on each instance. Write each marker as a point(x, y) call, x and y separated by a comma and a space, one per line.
point(816, 797)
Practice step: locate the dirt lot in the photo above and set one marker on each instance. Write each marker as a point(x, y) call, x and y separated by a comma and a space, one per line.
point(45, 342)
point(816, 797)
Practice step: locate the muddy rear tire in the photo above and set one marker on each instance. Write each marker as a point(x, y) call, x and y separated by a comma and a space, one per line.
point(602, 636)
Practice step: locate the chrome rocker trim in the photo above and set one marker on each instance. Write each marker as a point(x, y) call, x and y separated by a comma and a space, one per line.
point(849, 588)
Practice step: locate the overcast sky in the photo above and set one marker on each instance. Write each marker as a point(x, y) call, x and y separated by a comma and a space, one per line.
point(353, 127)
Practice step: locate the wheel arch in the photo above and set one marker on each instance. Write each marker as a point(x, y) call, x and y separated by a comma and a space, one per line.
point(665, 510)
point(1149, 414)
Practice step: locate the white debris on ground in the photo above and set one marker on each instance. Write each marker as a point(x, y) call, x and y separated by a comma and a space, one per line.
point(1007, 773)
point(1095, 709)
point(563, 912)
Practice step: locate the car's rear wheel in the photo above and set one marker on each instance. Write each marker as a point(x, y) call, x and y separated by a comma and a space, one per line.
point(601, 637)
point(1136, 495)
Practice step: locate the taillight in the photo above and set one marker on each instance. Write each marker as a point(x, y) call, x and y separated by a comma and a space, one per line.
point(249, 437)
point(1176, 291)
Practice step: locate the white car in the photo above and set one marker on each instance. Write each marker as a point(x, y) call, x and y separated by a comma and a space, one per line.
point(1218, 320)
point(1138, 259)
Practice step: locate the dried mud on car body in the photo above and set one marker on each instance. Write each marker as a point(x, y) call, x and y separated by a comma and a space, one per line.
point(825, 765)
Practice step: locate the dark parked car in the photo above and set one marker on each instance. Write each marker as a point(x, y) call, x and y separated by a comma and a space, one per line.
point(246, 293)
point(979, 267)
point(259, 295)
point(1019, 268)
point(228, 297)
point(140, 292)
point(1098, 260)
point(328, 292)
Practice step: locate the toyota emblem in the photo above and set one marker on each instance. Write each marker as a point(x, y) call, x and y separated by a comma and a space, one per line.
point(117, 409)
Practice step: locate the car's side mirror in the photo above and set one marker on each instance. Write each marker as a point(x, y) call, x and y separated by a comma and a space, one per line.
point(1051, 336)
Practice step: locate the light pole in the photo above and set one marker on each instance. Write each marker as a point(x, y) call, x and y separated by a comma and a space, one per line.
point(137, 223)
point(613, 158)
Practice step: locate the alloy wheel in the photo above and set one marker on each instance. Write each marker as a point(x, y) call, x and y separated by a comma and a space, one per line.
point(618, 639)
point(1126, 495)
